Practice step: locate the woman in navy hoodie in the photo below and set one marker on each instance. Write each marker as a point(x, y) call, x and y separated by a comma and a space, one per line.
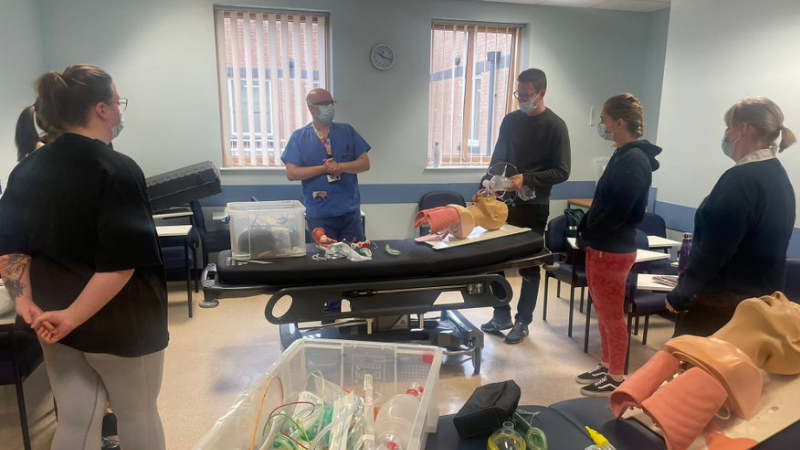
point(608, 233)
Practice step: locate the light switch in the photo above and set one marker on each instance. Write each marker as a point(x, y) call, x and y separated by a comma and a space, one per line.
point(591, 116)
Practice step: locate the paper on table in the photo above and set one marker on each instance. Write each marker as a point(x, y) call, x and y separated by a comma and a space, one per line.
point(478, 235)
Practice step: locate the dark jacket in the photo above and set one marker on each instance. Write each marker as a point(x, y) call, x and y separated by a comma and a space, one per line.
point(620, 199)
point(741, 234)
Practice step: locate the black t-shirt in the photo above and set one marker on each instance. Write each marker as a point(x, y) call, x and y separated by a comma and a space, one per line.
point(78, 207)
point(538, 147)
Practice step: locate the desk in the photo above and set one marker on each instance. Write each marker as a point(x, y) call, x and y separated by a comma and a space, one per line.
point(642, 256)
point(644, 282)
point(580, 202)
point(181, 231)
point(175, 215)
point(661, 242)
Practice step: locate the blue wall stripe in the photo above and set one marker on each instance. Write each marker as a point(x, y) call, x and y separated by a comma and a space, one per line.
point(379, 193)
point(681, 218)
point(678, 217)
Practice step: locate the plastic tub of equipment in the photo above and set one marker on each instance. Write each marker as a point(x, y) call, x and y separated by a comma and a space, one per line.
point(264, 230)
point(395, 368)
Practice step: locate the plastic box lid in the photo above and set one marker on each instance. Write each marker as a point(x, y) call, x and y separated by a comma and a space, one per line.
point(265, 206)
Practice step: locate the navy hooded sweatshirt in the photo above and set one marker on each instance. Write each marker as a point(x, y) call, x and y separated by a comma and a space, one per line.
point(620, 199)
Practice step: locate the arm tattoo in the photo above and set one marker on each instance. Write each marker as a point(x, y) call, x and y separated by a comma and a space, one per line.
point(12, 268)
point(14, 288)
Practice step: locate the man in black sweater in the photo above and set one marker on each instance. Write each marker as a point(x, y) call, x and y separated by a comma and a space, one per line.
point(535, 141)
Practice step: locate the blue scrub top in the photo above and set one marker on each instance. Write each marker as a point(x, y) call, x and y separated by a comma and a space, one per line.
point(305, 149)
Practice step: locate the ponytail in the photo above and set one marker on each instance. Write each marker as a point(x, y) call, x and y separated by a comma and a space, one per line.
point(787, 139)
point(26, 136)
point(65, 99)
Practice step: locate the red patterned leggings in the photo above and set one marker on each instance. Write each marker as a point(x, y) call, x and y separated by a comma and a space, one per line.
point(606, 274)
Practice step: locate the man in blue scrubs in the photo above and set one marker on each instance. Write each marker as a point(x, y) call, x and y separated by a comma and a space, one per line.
point(326, 157)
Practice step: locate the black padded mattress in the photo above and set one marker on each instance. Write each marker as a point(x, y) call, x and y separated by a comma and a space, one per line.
point(416, 260)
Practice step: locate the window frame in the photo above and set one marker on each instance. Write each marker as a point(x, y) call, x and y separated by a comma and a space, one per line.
point(473, 28)
point(276, 98)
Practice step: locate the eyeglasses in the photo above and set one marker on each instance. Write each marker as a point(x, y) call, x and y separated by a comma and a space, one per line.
point(122, 103)
point(325, 103)
point(523, 97)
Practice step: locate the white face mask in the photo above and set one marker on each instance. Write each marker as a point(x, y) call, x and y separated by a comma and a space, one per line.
point(601, 130)
point(529, 106)
point(118, 129)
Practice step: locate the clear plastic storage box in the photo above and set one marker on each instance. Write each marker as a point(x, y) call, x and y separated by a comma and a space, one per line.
point(263, 230)
point(394, 369)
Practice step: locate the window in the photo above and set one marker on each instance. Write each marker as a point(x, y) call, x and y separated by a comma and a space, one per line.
point(472, 78)
point(264, 76)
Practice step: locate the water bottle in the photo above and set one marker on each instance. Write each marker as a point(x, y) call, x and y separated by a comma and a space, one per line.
point(683, 253)
point(437, 155)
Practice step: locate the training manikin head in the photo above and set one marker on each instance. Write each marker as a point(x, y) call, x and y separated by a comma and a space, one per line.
point(767, 329)
point(489, 213)
point(453, 219)
point(731, 367)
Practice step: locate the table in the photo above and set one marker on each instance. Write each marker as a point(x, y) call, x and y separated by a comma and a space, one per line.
point(642, 256)
point(184, 231)
point(644, 282)
point(661, 242)
point(579, 202)
point(176, 214)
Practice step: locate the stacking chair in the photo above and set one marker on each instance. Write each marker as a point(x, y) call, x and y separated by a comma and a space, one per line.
point(20, 355)
point(572, 274)
point(439, 198)
point(211, 241)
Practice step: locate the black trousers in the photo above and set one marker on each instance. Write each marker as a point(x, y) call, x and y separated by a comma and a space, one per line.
point(703, 320)
point(535, 218)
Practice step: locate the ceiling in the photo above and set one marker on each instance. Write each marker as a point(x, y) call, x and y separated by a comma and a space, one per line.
point(616, 5)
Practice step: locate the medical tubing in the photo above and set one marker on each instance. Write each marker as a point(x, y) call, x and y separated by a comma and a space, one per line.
point(261, 406)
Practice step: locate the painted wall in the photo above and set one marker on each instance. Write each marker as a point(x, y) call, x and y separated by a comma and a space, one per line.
point(655, 52)
point(718, 52)
point(162, 56)
point(20, 63)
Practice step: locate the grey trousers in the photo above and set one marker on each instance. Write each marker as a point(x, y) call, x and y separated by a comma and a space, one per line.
point(84, 383)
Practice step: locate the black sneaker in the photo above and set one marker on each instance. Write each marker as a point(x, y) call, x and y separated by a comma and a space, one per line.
point(518, 333)
point(593, 375)
point(496, 326)
point(602, 388)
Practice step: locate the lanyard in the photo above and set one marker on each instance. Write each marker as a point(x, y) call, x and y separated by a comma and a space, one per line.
point(326, 141)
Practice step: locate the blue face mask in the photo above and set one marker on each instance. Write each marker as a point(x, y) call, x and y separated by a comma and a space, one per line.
point(601, 130)
point(728, 148)
point(326, 114)
point(118, 129)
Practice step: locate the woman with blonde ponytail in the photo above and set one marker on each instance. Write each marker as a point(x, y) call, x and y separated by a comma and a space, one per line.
point(742, 229)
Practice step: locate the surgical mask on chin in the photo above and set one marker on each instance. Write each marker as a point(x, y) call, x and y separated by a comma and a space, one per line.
point(529, 106)
point(326, 114)
point(118, 129)
point(601, 130)
point(728, 148)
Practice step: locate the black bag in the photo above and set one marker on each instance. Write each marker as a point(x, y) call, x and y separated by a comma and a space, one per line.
point(487, 408)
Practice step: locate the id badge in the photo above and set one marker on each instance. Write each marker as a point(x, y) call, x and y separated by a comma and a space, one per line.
point(319, 196)
point(332, 178)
